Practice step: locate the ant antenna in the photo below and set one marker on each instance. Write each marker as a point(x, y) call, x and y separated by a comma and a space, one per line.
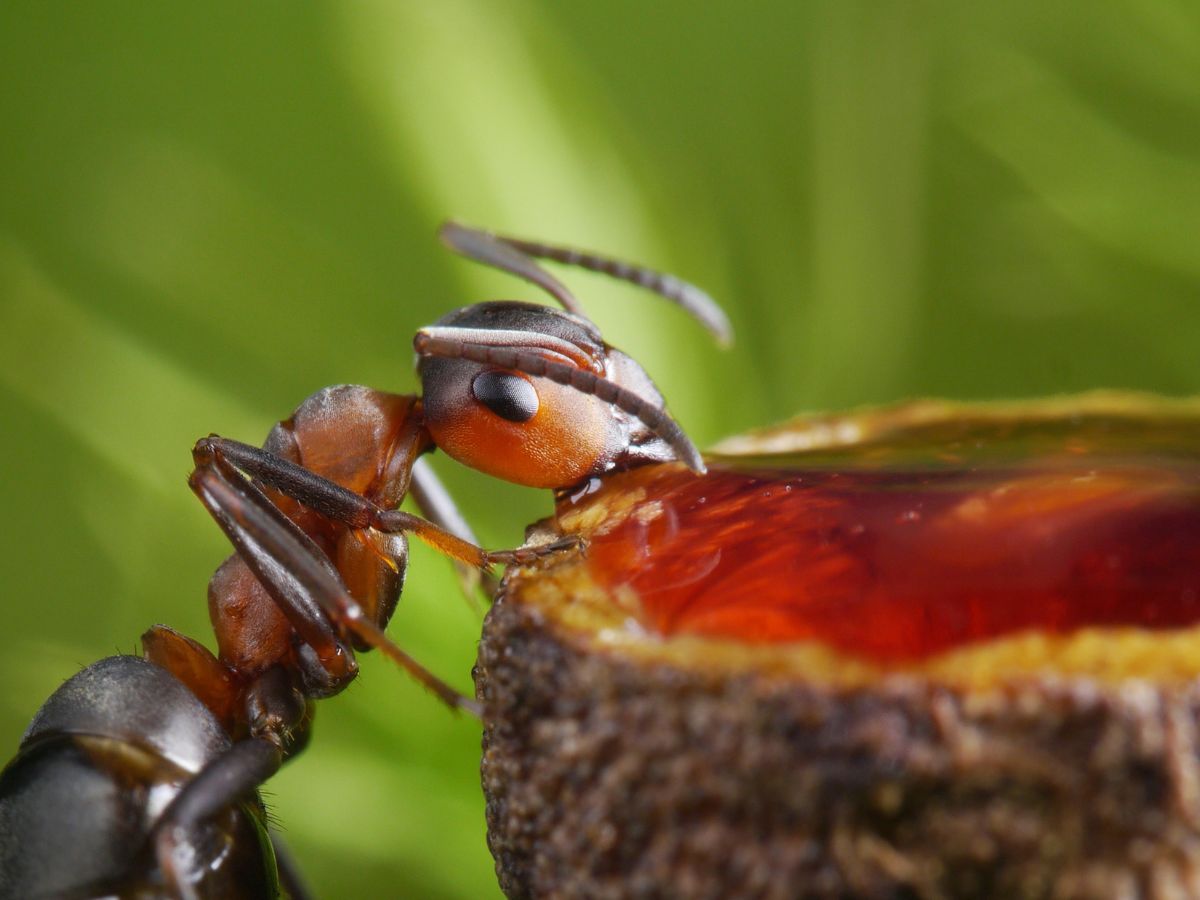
point(517, 256)
point(485, 247)
point(657, 419)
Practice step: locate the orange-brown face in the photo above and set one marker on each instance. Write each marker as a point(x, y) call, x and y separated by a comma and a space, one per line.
point(527, 430)
point(523, 428)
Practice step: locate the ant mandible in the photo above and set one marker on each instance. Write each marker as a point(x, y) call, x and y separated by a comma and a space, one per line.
point(523, 392)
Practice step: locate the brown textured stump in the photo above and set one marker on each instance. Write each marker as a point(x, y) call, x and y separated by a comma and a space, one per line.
point(929, 651)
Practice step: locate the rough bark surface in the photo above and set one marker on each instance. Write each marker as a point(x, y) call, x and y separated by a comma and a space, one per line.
point(611, 779)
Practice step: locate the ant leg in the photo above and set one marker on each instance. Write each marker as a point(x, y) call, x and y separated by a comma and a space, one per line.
point(300, 578)
point(289, 873)
point(436, 504)
point(192, 663)
point(354, 510)
point(278, 717)
point(284, 559)
point(227, 779)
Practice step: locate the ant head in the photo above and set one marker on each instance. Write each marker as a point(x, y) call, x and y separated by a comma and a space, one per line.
point(534, 395)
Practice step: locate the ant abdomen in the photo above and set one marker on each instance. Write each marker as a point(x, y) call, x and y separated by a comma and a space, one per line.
point(99, 763)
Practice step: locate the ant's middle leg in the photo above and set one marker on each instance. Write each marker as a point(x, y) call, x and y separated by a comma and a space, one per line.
point(302, 581)
point(354, 510)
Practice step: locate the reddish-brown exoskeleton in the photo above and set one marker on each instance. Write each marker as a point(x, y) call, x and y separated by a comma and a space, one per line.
point(527, 393)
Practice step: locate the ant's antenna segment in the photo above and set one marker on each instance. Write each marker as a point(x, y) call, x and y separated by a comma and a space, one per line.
point(518, 257)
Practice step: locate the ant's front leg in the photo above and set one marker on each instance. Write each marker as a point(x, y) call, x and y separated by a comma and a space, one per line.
point(435, 503)
point(354, 510)
point(301, 580)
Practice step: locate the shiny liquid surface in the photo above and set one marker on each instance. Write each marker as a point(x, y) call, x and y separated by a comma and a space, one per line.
point(917, 543)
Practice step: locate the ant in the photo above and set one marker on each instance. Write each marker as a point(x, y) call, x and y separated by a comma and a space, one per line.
point(171, 749)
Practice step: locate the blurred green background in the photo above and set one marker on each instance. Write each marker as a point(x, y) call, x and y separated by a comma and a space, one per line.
point(209, 211)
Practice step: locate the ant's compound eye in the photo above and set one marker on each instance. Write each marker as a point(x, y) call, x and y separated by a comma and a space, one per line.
point(509, 396)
